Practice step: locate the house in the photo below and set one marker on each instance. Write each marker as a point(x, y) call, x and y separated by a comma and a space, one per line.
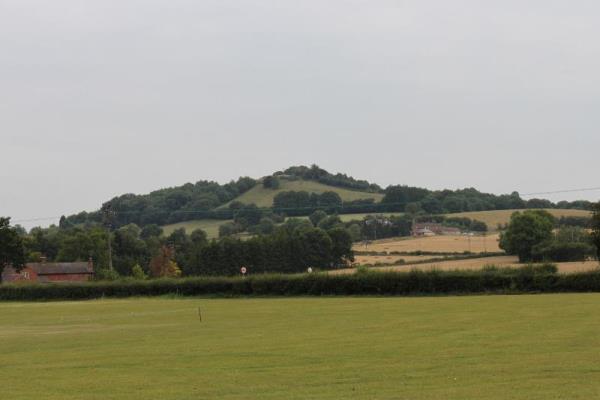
point(432, 229)
point(50, 272)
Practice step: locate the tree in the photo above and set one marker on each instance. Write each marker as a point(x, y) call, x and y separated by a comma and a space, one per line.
point(596, 228)
point(199, 238)
point(525, 231)
point(150, 231)
point(128, 249)
point(12, 251)
point(266, 226)
point(341, 240)
point(248, 215)
point(163, 266)
point(330, 222)
point(539, 203)
point(316, 248)
point(432, 205)
point(413, 208)
point(228, 229)
point(317, 216)
point(271, 182)
point(330, 199)
point(138, 273)
point(355, 232)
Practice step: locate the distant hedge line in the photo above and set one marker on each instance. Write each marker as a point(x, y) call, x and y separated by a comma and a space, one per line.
point(491, 280)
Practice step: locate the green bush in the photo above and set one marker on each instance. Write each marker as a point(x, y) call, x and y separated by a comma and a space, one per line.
point(105, 274)
point(529, 279)
point(562, 251)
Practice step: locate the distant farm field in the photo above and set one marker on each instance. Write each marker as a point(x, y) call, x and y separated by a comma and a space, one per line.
point(388, 259)
point(500, 217)
point(491, 218)
point(473, 264)
point(466, 347)
point(440, 244)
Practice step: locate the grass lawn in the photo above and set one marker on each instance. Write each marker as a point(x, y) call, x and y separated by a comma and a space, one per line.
point(470, 347)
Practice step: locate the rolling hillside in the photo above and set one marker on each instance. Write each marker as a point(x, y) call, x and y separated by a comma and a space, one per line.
point(264, 197)
point(491, 218)
point(210, 226)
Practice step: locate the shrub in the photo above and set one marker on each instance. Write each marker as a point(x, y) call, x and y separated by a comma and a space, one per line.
point(138, 273)
point(529, 279)
point(562, 251)
point(105, 274)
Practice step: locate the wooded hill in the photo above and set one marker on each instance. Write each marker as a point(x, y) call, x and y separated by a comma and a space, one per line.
point(296, 191)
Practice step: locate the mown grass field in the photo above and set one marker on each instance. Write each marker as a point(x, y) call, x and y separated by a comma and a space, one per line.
point(469, 347)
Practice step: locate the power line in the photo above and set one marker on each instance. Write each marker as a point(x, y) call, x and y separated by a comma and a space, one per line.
point(227, 210)
point(562, 191)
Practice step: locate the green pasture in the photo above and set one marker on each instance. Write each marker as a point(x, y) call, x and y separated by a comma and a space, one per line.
point(471, 347)
point(263, 197)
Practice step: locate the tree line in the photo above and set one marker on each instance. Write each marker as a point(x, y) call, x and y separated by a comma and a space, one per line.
point(138, 252)
point(321, 241)
point(533, 237)
point(204, 200)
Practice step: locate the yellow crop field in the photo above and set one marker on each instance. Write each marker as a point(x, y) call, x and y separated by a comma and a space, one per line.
point(440, 244)
point(500, 217)
point(478, 263)
point(389, 259)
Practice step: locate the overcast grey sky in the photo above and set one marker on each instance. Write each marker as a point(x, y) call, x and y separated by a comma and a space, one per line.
point(99, 98)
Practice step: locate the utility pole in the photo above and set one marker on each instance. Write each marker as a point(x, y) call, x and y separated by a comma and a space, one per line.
point(485, 242)
point(107, 221)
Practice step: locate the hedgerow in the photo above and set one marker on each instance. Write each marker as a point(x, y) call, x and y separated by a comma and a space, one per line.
point(529, 279)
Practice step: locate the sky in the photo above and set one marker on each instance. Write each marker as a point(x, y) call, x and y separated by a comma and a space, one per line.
point(101, 98)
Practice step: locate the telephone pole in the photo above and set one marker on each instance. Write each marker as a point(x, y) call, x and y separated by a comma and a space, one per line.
point(107, 221)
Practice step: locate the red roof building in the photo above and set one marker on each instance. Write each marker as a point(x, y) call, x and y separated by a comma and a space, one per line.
point(50, 272)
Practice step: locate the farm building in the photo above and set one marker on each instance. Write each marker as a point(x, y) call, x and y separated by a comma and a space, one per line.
point(432, 229)
point(50, 272)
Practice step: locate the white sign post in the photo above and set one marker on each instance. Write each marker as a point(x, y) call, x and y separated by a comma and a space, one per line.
point(243, 270)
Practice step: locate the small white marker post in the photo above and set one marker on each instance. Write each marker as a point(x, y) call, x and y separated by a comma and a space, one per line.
point(243, 270)
point(309, 270)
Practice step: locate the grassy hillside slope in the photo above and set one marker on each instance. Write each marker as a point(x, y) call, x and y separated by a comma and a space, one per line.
point(493, 218)
point(454, 348)
point(264, 197)
point(210, 226)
